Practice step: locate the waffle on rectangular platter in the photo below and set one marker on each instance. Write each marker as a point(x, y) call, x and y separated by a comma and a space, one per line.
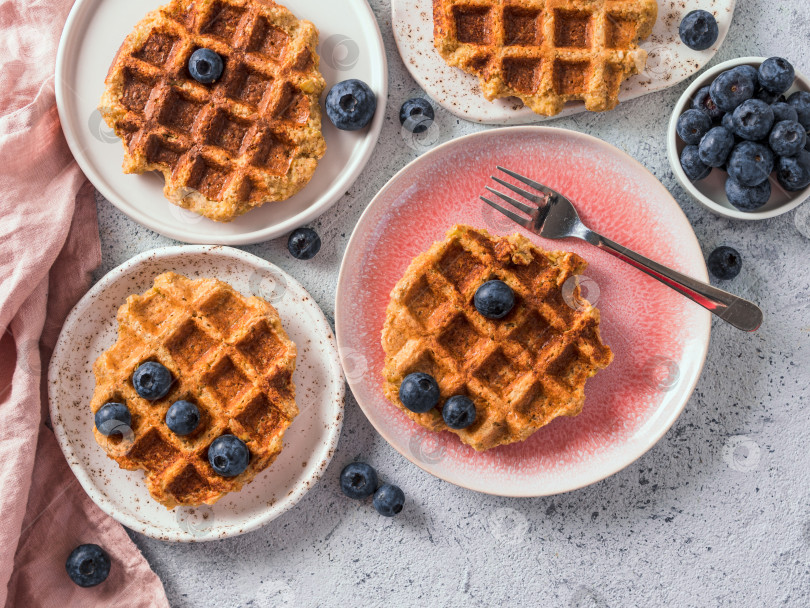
point(546, 52)
point(251, 137)
point(227, 354)
point(521, 371)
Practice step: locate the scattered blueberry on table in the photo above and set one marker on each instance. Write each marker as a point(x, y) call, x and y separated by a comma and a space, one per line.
point(351, 105)
point(358, 480)
point(725, 263)
point(389, 500)
point(205, 66)
point(494, 299)
point(419, 392)
point(698, 30)
point(152, 380)
point(228, 455)
point(88, 565)
point(304, 243)
point(458, 412)
point(183, 417)
point(416, 115)
point(113, 419)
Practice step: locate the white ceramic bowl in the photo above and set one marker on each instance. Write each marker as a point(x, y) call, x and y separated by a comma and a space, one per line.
point(711, 192)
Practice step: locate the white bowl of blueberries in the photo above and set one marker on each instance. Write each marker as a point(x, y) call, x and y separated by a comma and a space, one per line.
point(738, 139)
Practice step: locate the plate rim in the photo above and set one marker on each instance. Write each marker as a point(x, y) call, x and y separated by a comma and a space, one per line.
point(520, 117)
point(323, 203)
point(607, 471)
point(86, 477)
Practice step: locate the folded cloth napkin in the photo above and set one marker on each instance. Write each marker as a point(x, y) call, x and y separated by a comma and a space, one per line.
point(49, 244)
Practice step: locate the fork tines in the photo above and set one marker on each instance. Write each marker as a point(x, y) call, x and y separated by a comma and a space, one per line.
point(540, 201)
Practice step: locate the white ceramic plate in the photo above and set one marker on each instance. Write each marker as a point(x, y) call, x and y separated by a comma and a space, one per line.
point(658, 337)
point(309, 443)
point(669, 62)
point(350, 46)
point(711, 192)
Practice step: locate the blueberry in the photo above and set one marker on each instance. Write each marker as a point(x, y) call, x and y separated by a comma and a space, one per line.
point(183, 417)
point(152, 381)
point(113, 419)
point(751, 72)
point(703, 102)
point(88, 565)
point(351, 105)
point(694, 168)
point(766, 96)
point(727, 121)
point(304, 243)
point(731, 88)
point(416, 115)
point(747, 198)
point(458, 412)
point(419, 392)
point(800, 100)
point(205, 66)
point(776, 75)
point(788, 138)
point(358, 480)
point(715, 147)
point(494, 299)
point(752, 120)
point(228, 455)
point(784, 111)
point(693, 125)
point(793, 172)
point(725, 263)
point(750, 163)
point(699, 30)
point(389, 500)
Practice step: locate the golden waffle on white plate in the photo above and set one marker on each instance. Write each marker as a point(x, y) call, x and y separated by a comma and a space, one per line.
point(228, 354)
point(546, 52)
point(251, 137)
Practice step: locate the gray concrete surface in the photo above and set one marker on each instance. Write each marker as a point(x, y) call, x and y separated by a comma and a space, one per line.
point(715, 515)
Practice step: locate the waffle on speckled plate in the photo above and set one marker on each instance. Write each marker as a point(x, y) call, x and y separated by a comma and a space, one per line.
point(252, 137)
point(522, 371)
point(546, 52)
point(228, 354)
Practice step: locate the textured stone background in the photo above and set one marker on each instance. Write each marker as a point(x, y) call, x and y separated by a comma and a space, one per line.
point(716, 514)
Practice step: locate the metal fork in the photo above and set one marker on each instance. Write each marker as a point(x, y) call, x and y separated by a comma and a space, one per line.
point(554, 217)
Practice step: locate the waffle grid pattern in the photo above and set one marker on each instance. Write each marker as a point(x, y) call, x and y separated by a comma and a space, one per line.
point(546, 52)
point(521, 371)
point(227, 354)
point(251, 137)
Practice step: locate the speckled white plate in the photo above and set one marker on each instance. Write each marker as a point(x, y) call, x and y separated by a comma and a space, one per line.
point(669, 62)
point(658, 337)
point(309, 443)
point(350, 46)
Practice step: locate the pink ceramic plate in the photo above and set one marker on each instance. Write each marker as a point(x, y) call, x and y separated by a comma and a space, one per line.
point(659, 338)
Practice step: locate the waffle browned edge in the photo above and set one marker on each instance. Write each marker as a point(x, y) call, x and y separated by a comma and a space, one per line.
point(540, 60)
point(148, 330)
point(516, 421)
point(215, 180)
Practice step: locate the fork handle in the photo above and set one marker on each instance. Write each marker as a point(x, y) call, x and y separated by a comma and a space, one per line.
point(734, 310)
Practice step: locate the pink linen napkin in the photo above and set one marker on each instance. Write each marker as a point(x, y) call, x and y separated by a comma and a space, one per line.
point(49, 244)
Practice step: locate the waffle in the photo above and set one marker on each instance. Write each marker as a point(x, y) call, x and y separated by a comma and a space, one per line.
point(228, 354)
point(252, 137)
point(546, 52)
point(522, 371)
